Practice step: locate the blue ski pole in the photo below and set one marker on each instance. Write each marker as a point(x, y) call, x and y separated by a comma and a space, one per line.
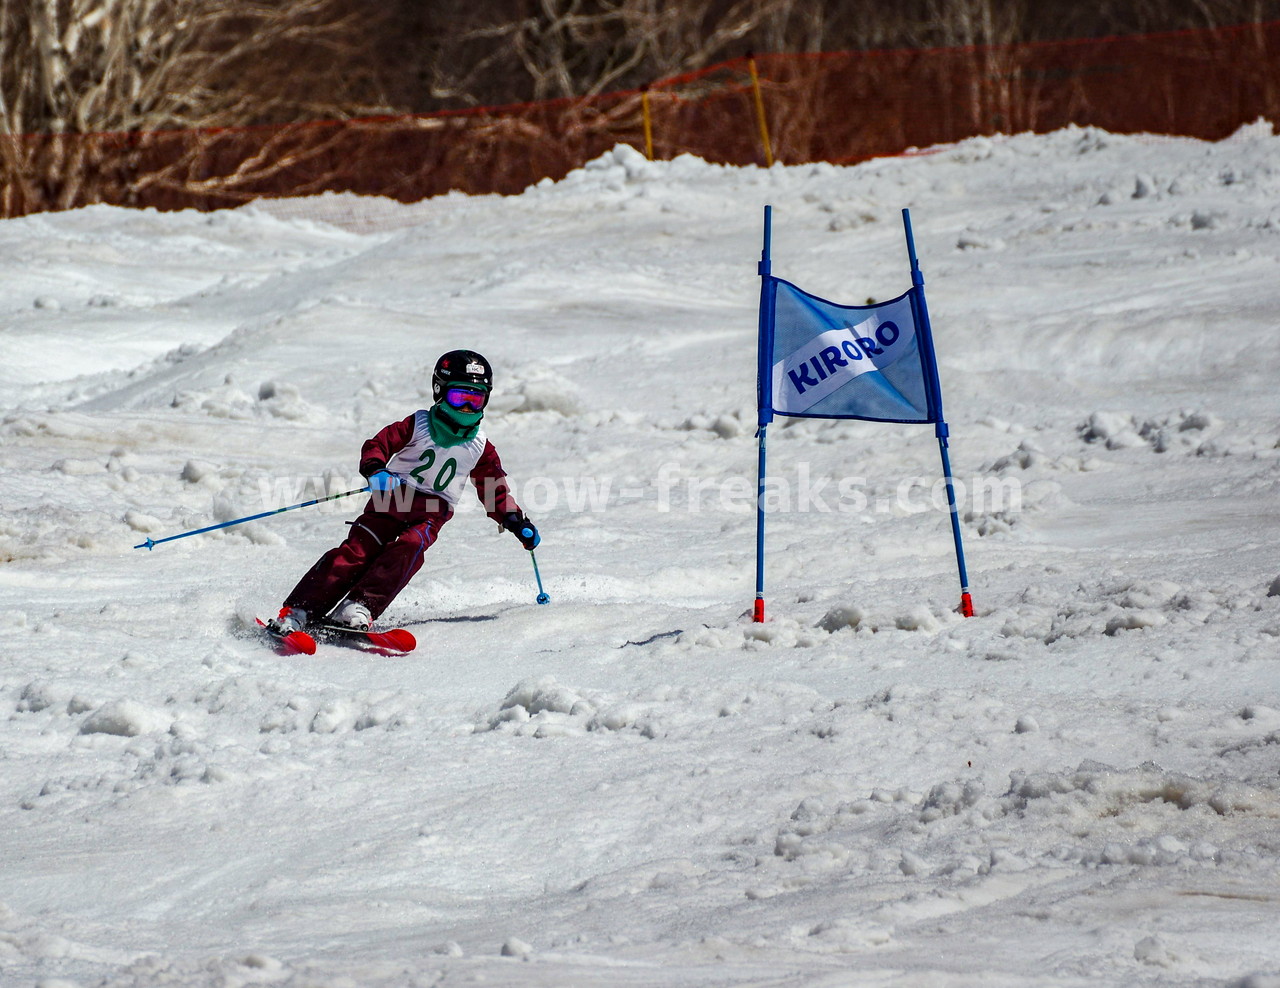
point(152, 543)
point(543, 597)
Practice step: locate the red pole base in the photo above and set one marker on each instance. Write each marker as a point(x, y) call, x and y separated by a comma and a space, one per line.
point(758, 614)
point(966, 604)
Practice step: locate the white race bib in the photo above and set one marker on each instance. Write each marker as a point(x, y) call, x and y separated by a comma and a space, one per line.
point(432, 469)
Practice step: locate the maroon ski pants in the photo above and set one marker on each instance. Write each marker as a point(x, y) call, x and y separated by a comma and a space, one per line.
point(378, 558)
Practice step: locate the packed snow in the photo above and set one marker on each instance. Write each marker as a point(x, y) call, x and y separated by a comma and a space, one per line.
point(634, 785)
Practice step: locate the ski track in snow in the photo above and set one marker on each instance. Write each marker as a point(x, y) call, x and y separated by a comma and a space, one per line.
point(635, 786)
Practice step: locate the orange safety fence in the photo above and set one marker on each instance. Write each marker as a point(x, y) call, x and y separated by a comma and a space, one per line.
point(840, 107)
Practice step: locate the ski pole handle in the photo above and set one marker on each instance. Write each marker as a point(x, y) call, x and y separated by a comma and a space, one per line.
point(152, 543)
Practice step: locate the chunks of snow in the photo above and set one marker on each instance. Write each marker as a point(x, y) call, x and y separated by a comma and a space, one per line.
point(126, 718)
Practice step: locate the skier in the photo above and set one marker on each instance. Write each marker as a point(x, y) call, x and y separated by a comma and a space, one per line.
point(432, 453)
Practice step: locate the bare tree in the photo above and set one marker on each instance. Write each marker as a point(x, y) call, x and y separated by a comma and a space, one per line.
point(128, 67)
point(464, 53)
point(99, 65)
point(516, 50)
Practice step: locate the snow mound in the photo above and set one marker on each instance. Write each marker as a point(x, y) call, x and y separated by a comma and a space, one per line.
point(340, 714)
point(541, 390)
point(916, 617)
point(544, 708)
point(126, 718)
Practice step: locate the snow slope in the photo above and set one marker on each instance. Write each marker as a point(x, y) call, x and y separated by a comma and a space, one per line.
point(635, 785)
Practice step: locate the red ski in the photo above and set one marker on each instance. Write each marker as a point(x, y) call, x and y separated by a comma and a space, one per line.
point(293, 643)
point(392, 639)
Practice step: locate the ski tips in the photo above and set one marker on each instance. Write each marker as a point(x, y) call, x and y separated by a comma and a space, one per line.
point(300, 641)
point(397, 638)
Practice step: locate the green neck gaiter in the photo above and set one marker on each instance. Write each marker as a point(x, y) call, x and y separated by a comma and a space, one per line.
point(452, 427)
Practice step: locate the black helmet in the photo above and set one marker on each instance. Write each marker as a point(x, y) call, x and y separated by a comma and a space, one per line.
point(465, 367)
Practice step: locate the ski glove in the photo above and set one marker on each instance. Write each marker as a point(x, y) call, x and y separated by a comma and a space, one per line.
point(384, 480)
point(523, 529)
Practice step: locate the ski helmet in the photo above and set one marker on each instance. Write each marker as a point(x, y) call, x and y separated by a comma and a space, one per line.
point(461, 367)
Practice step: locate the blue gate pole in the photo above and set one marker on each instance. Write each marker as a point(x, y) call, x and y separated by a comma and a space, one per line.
point(935, 399)
point(764, 404)
point(758, 613)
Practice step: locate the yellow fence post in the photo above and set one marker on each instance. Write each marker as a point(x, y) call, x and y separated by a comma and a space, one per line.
point(648, 125)
point(764, 126)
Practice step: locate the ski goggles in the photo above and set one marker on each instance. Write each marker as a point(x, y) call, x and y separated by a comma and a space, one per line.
point(465, 398)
